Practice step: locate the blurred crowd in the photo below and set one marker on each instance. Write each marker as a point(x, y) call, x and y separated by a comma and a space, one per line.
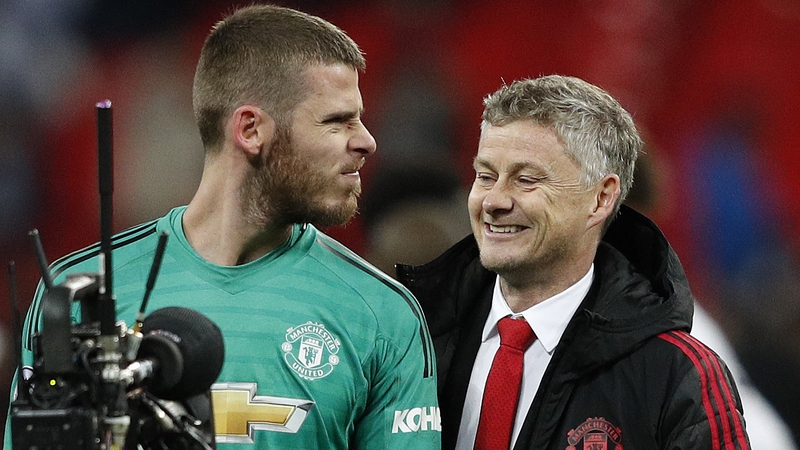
point(713, 84)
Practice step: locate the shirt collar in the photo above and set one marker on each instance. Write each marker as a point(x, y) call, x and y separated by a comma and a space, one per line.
point(549, 318)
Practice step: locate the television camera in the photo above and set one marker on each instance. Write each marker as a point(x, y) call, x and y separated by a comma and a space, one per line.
point(99, 384)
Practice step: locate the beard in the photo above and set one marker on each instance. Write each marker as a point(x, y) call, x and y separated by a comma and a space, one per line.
point(284, 188)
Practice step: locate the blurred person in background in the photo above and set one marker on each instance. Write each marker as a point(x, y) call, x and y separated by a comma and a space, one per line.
point(277, 101)
point(765, 426)
point(564, 318)
point(412, 214)
point(742, 233)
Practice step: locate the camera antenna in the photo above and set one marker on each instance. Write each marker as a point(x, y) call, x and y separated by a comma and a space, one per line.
point(151, 279)
point(41, 260)
point(105, 139)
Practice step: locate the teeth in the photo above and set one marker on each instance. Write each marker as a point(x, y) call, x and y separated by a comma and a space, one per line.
point(505, 229)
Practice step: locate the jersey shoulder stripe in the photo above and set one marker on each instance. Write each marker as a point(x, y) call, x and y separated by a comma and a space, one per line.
point(122, 239)
point(717, 397)
point(358, 262)
point(71, 260)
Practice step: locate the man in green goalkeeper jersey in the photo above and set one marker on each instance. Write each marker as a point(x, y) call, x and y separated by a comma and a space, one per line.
point(321, 349)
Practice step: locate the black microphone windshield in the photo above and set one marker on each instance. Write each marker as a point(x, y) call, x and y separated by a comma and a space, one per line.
point(200, 343)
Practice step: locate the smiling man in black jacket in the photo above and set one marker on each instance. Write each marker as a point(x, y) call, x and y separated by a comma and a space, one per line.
point(598, 294)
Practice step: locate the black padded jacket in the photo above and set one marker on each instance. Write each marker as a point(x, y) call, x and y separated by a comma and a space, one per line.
point(626, 373)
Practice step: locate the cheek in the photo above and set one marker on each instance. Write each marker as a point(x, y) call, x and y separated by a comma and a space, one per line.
point(311, 146)
point(475, 201)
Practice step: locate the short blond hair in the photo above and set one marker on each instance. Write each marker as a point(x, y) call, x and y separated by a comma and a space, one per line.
point(258, 55)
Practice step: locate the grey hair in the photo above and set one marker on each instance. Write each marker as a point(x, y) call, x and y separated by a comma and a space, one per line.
point(598, 134)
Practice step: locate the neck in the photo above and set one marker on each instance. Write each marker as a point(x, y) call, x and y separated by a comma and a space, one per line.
point(217, 229)
point(524, 291)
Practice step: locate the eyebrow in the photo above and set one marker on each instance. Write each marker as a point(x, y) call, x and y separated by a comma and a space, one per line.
point(515, 168)
point(478, 162)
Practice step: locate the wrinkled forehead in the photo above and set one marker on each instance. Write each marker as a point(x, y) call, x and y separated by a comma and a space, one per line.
point(520, 144)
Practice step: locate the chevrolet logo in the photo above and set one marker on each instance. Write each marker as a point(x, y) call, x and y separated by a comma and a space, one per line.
point(239, 412)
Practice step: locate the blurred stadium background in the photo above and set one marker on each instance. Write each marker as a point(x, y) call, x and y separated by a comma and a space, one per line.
point(713, 85)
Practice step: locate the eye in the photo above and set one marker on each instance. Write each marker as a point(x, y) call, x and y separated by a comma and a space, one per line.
point(345, 119)
point(484, 178)
point(530, 180)
point(336, 122)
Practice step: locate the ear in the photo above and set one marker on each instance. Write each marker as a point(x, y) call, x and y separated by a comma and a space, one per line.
point(251, 128)
point(606, 195)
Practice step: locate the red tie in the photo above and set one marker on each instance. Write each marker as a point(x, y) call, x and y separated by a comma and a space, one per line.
point(502, 387)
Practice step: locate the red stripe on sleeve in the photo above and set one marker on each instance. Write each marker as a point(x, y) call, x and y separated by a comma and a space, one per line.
point(712, 421)
point(715, 391)
point(726, 388)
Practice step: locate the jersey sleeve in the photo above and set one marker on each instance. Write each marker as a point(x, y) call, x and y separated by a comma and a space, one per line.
point(27, 361)
point(7, 433)
point(402, 410)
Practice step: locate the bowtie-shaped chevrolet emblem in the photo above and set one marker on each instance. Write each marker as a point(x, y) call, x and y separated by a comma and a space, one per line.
point(239, 412)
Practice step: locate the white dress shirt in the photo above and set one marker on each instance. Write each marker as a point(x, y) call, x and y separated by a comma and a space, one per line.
point(548, 320)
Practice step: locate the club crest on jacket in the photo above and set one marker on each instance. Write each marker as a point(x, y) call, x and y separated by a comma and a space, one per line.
point(595, 433)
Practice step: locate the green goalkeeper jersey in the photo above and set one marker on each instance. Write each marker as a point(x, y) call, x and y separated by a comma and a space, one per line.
point(322, 350)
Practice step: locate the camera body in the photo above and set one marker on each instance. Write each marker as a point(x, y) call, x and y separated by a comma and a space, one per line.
point(84, 392)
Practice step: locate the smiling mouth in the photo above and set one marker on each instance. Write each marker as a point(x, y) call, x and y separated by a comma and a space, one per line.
point(505, 228)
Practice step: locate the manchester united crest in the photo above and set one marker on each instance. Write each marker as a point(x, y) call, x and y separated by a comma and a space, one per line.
point(596, 433)
point(311, 350)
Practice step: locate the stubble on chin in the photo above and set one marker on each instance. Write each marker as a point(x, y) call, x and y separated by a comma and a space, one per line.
point(283, 188)
point(537, 264)
point(501, 265)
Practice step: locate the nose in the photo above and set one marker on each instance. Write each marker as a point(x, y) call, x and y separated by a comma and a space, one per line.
point(498, 199)
point(362, 141)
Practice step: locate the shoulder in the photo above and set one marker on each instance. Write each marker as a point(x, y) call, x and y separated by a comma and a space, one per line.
point(692, 353)
point(395, 312)
point(677, 354)
point(362, 278)
point(703, 391)
point(128, 247)
point(675, 367)
point(131, 244)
